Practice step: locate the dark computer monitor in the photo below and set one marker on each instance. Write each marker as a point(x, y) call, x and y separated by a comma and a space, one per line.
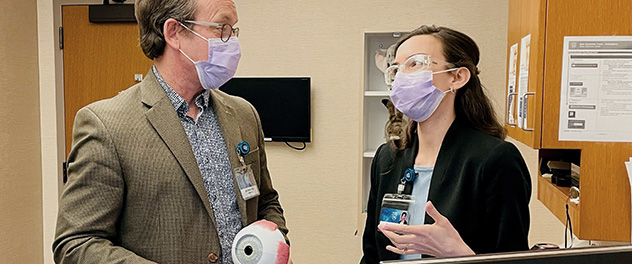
point(283, 104)
point(588, 255)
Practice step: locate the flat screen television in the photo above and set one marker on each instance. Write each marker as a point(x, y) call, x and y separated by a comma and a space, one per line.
point(283, 104)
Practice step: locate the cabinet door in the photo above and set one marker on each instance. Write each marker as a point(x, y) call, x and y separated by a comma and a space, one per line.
point(605, 193)
point(527, 17)
point(574, 18)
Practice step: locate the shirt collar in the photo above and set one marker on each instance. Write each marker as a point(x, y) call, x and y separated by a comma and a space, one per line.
point(182, 108)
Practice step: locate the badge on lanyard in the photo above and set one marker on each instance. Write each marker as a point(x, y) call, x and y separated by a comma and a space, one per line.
point(243, 174)
point(396, 207)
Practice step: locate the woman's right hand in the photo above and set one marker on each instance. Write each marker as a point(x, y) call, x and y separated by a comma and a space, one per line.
point(439, 239)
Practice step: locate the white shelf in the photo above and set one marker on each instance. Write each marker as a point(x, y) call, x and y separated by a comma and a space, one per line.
point(377, 93)
point(375, 114)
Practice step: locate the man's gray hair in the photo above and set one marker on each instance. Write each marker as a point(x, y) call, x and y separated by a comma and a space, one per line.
point(151, 16)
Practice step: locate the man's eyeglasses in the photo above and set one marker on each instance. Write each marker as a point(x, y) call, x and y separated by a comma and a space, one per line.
point(226, 29)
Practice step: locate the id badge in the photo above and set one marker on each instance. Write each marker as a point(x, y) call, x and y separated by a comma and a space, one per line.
point(397, 209)
point(246, 181)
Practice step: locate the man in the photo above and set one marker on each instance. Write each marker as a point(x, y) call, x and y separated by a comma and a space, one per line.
point(152, 171)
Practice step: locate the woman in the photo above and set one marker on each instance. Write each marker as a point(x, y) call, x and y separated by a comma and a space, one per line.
point(472, 188)
point(402, 218)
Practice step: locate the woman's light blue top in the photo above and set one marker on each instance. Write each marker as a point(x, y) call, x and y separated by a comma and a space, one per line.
point(420, 191)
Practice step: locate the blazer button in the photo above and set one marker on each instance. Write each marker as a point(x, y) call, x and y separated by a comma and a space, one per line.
point(213, 257)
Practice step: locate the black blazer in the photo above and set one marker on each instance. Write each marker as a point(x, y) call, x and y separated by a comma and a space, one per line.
point(480, 183)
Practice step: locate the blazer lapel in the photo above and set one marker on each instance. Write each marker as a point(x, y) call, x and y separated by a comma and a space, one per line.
point(163, 117)
point(445, 153)
point(231, 129)
point(445, 157)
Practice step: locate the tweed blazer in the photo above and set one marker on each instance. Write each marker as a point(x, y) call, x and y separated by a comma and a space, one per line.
point(135, 193)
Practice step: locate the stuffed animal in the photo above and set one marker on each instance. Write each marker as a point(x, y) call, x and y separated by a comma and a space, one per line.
point(394, 127)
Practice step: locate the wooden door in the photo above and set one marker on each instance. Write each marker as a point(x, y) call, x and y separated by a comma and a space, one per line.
point(99, 61)
point(527, 17)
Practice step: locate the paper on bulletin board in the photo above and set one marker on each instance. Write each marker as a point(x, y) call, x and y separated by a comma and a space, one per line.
point(628, 166)
point(596, 89)
point(523, 84)
point(511, 83)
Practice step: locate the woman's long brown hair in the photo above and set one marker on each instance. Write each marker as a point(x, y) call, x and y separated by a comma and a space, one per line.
point(471, 105)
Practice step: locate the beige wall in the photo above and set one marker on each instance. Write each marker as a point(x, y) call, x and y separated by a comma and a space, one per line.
point(322, 39)
point(20, 170)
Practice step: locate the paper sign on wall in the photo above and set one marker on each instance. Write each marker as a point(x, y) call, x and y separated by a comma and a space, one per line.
point(523, 84)
point(596, 89)
point(628, 167)
point(511, 83)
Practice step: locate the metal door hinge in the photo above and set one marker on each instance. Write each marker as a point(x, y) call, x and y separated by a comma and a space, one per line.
point(138, 77)
point(61, 38)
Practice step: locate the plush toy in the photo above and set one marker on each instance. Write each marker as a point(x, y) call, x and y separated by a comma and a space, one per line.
point(394, 127)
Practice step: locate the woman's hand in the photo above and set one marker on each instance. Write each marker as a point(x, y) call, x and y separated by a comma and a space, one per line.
point(439, 239)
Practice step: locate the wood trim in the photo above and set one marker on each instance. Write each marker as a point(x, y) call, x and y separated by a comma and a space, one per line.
point(555, 199)
point(605, 192)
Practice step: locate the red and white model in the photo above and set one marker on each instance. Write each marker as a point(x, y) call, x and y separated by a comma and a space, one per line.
point(260, 243)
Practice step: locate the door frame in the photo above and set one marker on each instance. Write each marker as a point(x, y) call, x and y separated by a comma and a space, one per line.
point(52, 119)
point(59, 80)
point(58, 99)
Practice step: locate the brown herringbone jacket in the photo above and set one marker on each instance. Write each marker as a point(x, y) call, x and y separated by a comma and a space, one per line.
point(135, 193)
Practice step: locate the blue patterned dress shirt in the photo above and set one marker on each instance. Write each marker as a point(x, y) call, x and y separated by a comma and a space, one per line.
point(209, 148)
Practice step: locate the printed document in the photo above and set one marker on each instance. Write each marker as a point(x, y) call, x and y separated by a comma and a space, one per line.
point(523, 84)
point(596, 89)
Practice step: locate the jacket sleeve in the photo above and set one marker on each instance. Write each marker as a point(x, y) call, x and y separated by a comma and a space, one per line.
point(92, 199)
point(369, 243)
point(269, 206)
point(508, 195)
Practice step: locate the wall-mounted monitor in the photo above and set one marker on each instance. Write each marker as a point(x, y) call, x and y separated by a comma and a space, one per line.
point(283, 104)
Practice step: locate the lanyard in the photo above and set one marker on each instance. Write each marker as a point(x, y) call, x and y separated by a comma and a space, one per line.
point(409, 176)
